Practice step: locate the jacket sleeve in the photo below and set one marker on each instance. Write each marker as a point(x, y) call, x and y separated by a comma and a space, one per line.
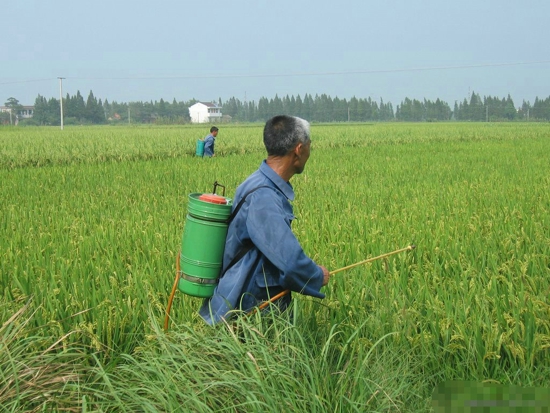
point(269, 229)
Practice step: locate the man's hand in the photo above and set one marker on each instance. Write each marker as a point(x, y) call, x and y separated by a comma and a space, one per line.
point(326, 275)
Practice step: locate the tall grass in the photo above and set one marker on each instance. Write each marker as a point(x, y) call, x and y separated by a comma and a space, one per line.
point(37, 373)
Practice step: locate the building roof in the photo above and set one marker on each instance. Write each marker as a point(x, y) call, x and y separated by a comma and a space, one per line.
point(22, 107)
point(208, 104)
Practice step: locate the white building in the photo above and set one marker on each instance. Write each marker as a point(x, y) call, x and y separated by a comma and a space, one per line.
point(26, 112)
point(205, 112)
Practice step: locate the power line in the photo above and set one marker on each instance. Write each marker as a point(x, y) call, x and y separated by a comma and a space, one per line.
point(26, 81)
point(220, 76)
point(304, 74)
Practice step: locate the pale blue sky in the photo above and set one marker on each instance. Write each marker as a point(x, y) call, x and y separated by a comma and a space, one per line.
point(143, 50)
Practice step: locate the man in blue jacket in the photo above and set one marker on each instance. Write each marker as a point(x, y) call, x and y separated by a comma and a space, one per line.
point(262, 256)
point(209, 142)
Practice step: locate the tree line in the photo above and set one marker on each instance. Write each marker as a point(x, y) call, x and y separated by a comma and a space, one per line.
point(318, 108)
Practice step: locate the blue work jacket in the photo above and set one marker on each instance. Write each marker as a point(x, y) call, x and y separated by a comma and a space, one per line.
point(209, 145)
point(275, 262)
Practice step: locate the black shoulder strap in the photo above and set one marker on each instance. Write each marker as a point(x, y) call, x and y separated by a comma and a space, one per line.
point(247, 246)
point(242, 201)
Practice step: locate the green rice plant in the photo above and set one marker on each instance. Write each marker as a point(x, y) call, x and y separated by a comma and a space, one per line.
point(91, 223)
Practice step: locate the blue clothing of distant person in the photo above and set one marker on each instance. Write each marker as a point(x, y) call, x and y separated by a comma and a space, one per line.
point(262, 253)
point(209, 141)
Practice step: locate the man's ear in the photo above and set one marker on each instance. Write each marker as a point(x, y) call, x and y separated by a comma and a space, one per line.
point(298, 150)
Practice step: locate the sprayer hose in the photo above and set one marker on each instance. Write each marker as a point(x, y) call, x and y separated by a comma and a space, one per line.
point(174, 288)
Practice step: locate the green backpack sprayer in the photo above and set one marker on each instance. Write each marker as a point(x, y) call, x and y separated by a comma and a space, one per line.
point(199, 148)
point(199, 262)
point(203, 243)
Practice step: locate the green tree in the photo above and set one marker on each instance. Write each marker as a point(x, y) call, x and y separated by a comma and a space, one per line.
point(322, 108)
point(353, 109)
point(74, 107)
point(373, 111)
point(263, 109)
point(4, 118)
point(79, 106)
point(40, 110)
point(404, 110)
point(46, 112)
point(276, 106)
point(307, 107)
point(162, 109)
point(231, 108)
point(54, 112)
point(386, 111)
point(476, 108)
point(524, 112)
point(363, 110)
point(510, 110)
point(251, 112)
point(298, 107)
point(289, 105)
point(340, 109)
point(94, 111)
point(464, 110)
point(456, 112)
point(14, 108)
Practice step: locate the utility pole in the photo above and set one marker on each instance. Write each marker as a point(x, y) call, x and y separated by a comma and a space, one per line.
point(128, 114)
point(487, 113)
point(61, 98)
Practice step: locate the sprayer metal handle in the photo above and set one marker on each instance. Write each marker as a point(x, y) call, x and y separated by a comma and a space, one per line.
point(216, 184)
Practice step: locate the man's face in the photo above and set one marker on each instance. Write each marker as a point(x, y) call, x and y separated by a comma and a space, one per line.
point(215, 133)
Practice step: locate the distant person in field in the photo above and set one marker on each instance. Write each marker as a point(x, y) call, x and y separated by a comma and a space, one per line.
point(262, 256)
point(209, 141)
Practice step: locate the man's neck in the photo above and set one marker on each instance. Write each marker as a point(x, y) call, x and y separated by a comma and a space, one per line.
point(282, 165)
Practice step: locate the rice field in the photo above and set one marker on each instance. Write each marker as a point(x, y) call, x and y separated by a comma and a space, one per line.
point(91, 224)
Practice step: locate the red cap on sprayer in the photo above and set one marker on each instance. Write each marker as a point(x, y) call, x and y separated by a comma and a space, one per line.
point(213, 199)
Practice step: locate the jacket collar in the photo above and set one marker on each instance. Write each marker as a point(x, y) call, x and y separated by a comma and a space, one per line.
point(280, 183)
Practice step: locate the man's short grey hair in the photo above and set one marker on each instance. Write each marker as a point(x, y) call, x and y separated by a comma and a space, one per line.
point(282, 133)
